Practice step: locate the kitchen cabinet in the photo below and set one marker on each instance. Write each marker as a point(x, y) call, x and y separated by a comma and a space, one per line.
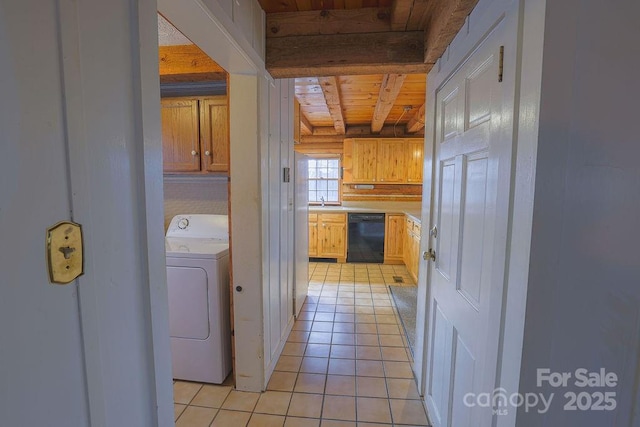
point(414, 161)
point(313, 235)
point(411, 254)
point(391, 158)
point(331, 236)
point(195, 134)
point(382, 161)
point(394, 233)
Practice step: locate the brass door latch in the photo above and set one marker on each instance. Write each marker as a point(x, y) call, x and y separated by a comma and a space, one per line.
point(64, 252)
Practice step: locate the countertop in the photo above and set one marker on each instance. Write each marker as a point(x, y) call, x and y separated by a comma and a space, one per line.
point(412, 209)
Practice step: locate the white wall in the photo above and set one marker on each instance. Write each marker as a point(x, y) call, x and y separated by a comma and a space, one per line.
point(198, 195)
point(583, 305)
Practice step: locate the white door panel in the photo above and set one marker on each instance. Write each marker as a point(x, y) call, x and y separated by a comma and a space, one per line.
point(41, 354)
point(472, 169)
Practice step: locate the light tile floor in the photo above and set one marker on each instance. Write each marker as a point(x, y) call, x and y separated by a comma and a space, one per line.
point(345, 364)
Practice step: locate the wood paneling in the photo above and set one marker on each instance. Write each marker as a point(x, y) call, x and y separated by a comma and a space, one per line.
point(387, 192)
point(415, 161)
point(187, 63)
point(319, 148)
point(390, 167)
point(214, 132)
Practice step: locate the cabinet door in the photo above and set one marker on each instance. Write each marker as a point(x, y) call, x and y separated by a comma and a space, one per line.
point(394, 238)
point(313, 239)
point(332, 240)
point(180, 135)
point(415, 256)
point(360, 160)
point(391, 159)
point(214, 130)
point(415, 154)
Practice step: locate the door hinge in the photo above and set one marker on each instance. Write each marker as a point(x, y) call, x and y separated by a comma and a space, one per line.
point(501, 64)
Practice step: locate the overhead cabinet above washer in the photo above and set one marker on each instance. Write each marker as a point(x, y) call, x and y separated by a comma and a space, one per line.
point(195, 134)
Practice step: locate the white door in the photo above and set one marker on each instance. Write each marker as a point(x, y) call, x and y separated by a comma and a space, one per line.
point(41, 356)
point(301, 232)
point(471, 188)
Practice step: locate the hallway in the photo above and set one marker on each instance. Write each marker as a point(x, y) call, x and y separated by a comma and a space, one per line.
point(346, 362)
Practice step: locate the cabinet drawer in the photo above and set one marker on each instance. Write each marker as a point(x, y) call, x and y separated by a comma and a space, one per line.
point(340, 217)
point(313, 217)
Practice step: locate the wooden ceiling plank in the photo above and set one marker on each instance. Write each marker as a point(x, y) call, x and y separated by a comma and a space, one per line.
point(389, 90)
point(317, 22)
point(419, 14)
point(346, 54)
point(303, 4)
point(185, 59)
point(331, 90)
point(445, 19)
point(416, 122)
point(400, 12)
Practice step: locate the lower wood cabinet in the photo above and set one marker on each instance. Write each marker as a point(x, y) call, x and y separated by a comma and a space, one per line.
point(394, 238)
point(328, 236)
point(411, 254)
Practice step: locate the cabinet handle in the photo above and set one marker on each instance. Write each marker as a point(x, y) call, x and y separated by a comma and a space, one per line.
point(324, 225)
point(194, 153)
point(207, 153)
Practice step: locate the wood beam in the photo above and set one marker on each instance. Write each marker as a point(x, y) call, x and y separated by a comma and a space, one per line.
point(323, 135)
point(318, 22)
point(416, 123)
point(400, 12)
point(331, 92)
point(346, 54)
point(306, 128)
point(446, 17)
point(187, 63)
point(389, 90)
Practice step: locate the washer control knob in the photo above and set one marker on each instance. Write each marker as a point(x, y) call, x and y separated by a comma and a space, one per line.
point(183, 223)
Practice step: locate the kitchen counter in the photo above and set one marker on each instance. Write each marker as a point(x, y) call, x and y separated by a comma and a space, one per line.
point(412, 209)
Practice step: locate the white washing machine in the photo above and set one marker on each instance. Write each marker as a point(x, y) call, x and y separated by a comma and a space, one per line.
point(197, 248)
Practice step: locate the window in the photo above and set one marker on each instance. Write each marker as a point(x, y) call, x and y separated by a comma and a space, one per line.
point(324, 180)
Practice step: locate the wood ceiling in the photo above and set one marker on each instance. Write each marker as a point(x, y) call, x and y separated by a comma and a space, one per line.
point(359, 65)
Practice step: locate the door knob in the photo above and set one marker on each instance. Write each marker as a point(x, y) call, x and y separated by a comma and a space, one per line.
point(429, 255)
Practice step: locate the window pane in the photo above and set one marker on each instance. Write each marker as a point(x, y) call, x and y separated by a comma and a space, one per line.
point(312, 196)
point(333, 196)
point(312, 163)
point(333, 185)
point(333, 173)
point(322, 185)
point(312, 185)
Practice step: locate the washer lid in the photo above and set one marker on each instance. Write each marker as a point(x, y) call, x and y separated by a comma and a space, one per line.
point(181, 247)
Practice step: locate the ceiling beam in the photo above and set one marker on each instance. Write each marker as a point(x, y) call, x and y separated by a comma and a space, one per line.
point(389, 90)
point(416, 123)
point(328, 134)
point(446, 17)
point(306, 128)
point(319, 22)
point(331, 92)
point(346, 54)
point(187, 63)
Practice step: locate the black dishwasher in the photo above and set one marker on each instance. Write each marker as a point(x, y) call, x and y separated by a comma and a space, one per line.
point(366, 238)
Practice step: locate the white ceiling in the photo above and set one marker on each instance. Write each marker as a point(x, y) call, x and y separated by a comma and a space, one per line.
point(168, 35)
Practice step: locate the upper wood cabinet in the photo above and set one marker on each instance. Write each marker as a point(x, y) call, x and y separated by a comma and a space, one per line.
point(414, 160)
point(180, 135)
point(382, 161)
point(391, 159)
point(214, 133)
point(195, 134)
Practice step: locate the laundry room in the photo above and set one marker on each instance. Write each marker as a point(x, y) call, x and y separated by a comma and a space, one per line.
point(195, 151)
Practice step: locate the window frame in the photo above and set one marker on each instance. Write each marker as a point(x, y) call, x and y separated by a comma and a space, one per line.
point(339, 179)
